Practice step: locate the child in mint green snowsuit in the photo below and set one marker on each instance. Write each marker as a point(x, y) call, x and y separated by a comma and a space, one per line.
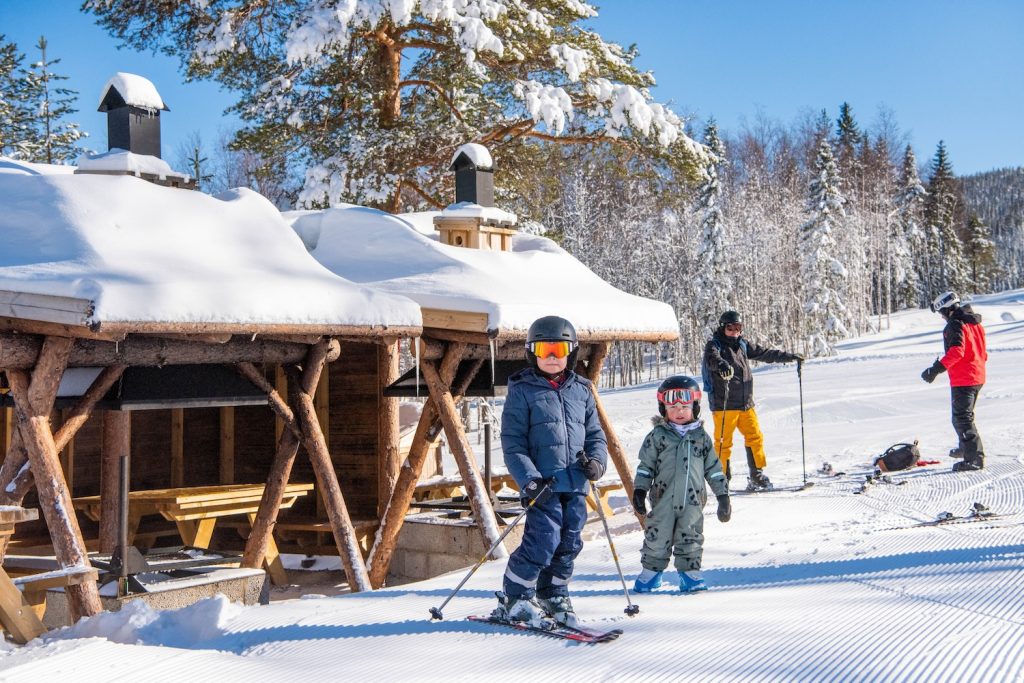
point(676, 458)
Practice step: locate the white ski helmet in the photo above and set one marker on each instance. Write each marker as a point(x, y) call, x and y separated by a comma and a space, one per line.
point(945, 300)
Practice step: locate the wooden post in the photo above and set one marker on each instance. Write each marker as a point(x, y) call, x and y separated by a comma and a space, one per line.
point(281, 386)
point(15, 479)
point(287, 448)
point(427, 431)
point(330, 489)
point(177, 447)
point(8, 427)
point(67, 455)
point(615, 450)
point(33, 403)
point(116, 444)
point(388, 464)
point(479, 496)
point(227, 445)
point(322, 401)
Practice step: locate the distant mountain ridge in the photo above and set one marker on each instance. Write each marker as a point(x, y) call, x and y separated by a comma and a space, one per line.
point(997, 197)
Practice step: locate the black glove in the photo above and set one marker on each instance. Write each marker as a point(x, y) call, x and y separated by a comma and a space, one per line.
point(795, 357)
point(535, 490)
point(934, 371)
point(725, 370)
point(593, 469)
point(724, 508)
point(640, 501)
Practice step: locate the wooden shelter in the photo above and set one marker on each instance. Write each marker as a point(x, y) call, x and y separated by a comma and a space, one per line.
point(137, 284)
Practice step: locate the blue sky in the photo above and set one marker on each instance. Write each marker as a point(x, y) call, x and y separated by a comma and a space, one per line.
point(948, 70)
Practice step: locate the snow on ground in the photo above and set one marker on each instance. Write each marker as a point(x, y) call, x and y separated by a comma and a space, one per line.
point(820, 584)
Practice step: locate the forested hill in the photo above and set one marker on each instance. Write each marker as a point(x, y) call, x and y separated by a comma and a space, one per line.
point(997, 197)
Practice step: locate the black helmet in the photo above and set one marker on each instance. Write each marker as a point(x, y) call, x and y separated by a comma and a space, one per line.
point(730, 318)
point(552, 328)
point(680, 382)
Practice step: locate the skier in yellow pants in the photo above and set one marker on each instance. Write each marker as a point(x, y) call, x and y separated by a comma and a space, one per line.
point(730, 388)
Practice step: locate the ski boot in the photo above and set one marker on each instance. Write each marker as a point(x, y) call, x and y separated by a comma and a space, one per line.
point(956, 452)
point(691, 582)
point(969, 465)
point(559, 608)
point(757, 481)
point(647, 582)
point(525, 610)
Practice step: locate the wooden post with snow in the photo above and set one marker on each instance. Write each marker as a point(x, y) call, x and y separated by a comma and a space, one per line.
point(34, 397)
point(388, 463)
point(479, 496)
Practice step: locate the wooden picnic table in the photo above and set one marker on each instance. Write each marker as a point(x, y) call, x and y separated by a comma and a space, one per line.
point(195, 511)
point(16, 615)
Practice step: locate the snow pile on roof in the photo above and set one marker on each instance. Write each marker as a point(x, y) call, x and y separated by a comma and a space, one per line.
point(513, 288)
point(149, 254)
point(121, 160)
point(487, 213)
point(8, 165)
point(477, 154)
point(135, 91)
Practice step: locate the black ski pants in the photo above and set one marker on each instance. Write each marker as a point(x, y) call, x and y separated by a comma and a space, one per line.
point(963, 400)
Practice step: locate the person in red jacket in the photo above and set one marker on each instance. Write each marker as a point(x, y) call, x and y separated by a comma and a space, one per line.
point(964, 341)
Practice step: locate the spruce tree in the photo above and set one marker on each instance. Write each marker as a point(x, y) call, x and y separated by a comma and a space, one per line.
point(53, 138)
point(909, 200)
point(821, 272)
point(941, 212)
point(713, 286)
point(849, 140)
point(981, 254)
point(15, 112)
point(368, 99)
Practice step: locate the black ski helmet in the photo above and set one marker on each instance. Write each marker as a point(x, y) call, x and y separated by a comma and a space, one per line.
point(679, 382)
point(730, 318)
point(552, 328)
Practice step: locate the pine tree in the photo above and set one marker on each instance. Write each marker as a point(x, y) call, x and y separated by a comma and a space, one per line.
point(941, 213)
point(981, 254)
point(369, 98)
point(713, 285)
point(821, 272)
point(909, 202)
point(53, 138)
point(849, 140)
point(15, 112)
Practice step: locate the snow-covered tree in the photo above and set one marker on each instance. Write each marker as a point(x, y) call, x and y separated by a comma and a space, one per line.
point(942, 209)
point(371, 97)
point(981, 254)
point(821, 271)
point(713, 285)
point(15, 112)
point(849, 140)
point(909, 205)
point(51, 138)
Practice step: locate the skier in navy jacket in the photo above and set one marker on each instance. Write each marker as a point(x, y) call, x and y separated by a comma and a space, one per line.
point(549, 417)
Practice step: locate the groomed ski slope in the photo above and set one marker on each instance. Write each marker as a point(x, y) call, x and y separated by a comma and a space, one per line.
point(823, 584)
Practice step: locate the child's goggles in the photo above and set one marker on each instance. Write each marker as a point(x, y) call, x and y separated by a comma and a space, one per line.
point(543, 349)
point(671, 397)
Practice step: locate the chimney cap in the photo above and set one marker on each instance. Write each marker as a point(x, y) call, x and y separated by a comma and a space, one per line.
point(125, 89)
point(472, 155)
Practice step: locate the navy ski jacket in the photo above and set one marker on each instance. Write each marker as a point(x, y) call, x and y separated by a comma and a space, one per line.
point(543, 428)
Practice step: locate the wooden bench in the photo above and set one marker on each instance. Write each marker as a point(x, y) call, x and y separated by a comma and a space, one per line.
point(297, 528)
point(604, 491)
point(34, 586)
point(438, 488)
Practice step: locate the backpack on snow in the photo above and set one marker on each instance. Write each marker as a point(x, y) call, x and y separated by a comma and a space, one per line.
point(705, 371)
point(900, 456)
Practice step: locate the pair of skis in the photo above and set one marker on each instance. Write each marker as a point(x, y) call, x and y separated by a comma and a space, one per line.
point(978, 512)
point(554, 630)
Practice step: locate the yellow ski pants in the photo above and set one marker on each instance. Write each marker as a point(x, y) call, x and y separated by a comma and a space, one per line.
point(726, 422)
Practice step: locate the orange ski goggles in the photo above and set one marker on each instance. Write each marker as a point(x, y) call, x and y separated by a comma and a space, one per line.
point(679, 396)
point(543, 349)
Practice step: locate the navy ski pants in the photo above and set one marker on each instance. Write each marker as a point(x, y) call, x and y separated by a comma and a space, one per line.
point(542, 564)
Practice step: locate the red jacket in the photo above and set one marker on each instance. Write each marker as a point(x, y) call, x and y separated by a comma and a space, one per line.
point(966, 353)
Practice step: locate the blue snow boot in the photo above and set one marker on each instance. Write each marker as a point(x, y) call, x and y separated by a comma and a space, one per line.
point(647, 582)
point(691, 582)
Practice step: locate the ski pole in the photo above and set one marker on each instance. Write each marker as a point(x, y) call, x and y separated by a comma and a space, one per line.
point(803, 447)
point(435, 612)
point(725, 404)
point(631, 609)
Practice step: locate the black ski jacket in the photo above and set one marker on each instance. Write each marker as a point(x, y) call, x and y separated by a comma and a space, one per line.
point(741, 386)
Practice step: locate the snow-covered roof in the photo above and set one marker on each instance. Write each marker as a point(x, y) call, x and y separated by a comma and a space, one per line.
point(134, 90)
point(120, 160)
point(512, 289)
point(8, 165)
point(121, 254)
point(487, 213)
point(477, 154)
